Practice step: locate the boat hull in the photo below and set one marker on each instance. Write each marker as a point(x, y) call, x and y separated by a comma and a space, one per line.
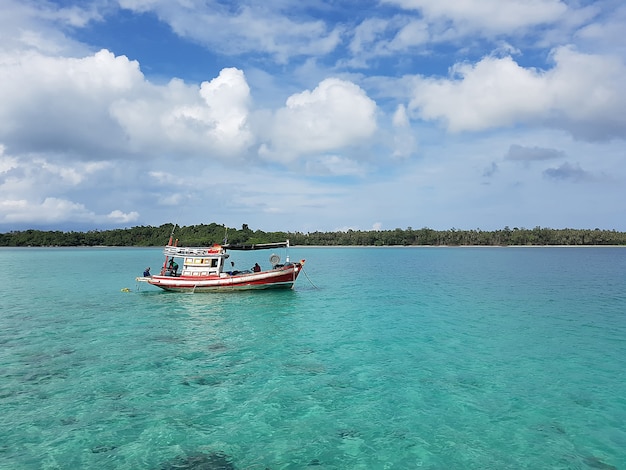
point(282, 278)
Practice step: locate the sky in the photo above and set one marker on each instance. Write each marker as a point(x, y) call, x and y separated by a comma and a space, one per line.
point(313, 116)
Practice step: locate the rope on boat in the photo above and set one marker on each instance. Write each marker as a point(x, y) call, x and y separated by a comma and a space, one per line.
point(307, 276)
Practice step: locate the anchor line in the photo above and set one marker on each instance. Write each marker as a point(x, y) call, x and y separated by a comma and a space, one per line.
point(307, 276)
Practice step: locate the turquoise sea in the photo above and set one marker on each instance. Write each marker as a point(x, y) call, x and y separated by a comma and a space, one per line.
point(380, 358)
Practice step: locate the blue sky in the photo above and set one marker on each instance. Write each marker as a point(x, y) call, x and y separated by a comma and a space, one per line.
point(318, 115)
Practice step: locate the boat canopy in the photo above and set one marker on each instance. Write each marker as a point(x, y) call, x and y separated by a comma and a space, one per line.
point(194, 251)
point(257, 246)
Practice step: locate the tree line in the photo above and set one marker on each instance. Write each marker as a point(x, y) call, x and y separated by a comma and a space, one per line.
point(206, 235)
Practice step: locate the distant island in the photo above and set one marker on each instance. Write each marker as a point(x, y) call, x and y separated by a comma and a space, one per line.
point(206, 235)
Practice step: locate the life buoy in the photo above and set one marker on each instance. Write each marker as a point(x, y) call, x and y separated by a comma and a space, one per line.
point(274, 259)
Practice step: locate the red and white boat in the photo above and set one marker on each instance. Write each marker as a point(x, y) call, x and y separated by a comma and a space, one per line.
point(204, 269)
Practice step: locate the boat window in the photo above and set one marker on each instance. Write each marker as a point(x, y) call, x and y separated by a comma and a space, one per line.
point(214, 263)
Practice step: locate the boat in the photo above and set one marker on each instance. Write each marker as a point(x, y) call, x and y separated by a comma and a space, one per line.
point(204, 269)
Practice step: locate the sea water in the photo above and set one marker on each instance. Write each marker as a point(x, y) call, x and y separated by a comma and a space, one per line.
point(380, 358)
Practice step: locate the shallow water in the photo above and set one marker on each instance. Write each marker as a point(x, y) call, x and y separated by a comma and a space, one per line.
point(437, 358)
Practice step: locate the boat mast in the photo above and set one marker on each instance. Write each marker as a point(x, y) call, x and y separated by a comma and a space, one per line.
point(171, 235)
point(169, 243)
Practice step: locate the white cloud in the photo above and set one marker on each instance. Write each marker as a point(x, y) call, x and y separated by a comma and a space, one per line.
point(603, 35)
point(69, 175)
point(250, 28)
point(404, 140)
point(140, 6)
point(376, 37)
point(370, 31)
point(171, 199)
point(57, 210)
point(412, 34)
point(494, 92)
point(589, 94)
point(36, 177)
point(7, 162)
point(582, 93)
point(50, 210)
point(184, 120)
point(38, 26)
point(62, 104)
point(35, 188)
point(400, 118)
point(118, 216)
point(101, 106)
point(487, 16)
point(225, 111)
point(334, 165)
point(335, 115)
point(161, 177)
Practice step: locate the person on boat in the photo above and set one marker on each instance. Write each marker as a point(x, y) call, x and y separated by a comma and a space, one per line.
point(173, 267)
point(146, 272)
point(256, 268)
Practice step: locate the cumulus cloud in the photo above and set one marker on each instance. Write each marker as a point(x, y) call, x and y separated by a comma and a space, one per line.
point(494, 92)
point(185, 120)
point(583, 94)
point(335, 115)
point(118, 216)
point(62, 104)
point(101, 106)
point(589, 94)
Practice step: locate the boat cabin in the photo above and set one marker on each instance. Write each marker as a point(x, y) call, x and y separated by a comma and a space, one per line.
point(198, 262)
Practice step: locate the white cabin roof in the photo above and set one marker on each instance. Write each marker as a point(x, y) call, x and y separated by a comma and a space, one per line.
point(202, 252)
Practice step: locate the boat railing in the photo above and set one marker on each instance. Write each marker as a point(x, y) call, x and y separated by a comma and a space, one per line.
point(191, 251)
